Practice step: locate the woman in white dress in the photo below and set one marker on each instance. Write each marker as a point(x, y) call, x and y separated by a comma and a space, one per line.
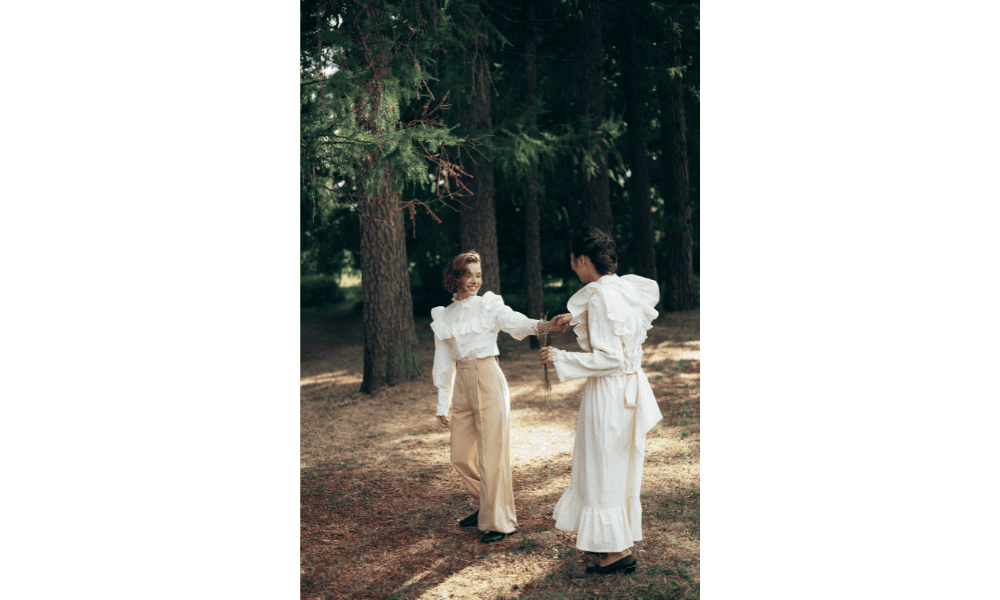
point(471, 384)
point(610, 316)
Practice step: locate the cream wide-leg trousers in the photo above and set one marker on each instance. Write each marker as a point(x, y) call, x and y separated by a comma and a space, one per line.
point(480, 440)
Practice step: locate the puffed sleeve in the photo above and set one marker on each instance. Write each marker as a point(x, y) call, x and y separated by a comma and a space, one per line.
point(444, 374)
point(516, 324)
point(606, 355)
point(497, 316)
point(577, 307)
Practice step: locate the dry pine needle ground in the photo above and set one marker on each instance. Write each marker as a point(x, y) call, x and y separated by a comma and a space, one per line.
point(380, 502)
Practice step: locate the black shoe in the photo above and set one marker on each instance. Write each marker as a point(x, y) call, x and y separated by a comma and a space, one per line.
point(492, 536)
point(626, 565)
point(470, 520)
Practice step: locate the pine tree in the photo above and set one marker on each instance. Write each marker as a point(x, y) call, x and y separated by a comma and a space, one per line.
point(678, 278)
point(532, 241)
point(638, 155)
point(362, 63)
point(596, 195)
point(477, 217)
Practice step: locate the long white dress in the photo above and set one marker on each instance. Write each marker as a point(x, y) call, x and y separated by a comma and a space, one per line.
point(610, 317)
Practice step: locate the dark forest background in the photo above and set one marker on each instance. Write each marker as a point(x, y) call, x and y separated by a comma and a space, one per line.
point(429, 128)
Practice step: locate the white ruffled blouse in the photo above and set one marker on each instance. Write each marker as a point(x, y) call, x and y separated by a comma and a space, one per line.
point(611, 317)
point(467, 329)
point(612, 340)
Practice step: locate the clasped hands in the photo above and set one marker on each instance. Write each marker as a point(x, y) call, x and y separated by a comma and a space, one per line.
point(558, 323)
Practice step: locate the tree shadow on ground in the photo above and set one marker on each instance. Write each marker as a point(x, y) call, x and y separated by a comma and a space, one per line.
point(383, 533)
point(380, 503)
point(392, 532)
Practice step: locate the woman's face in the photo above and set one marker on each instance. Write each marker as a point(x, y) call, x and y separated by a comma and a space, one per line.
point(472, 281)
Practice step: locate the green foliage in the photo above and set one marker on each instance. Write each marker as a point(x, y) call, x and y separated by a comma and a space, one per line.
point(350, 139)
point(516, 154)
point(319, 290)
point(368, 121)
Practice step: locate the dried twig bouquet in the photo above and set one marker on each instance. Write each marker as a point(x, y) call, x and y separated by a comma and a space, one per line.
point(542, 333)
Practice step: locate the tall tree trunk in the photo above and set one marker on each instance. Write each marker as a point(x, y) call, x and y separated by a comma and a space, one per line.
point(532, 235)
point(477, 220)
point(679, 292)
point(642, 215)
point(389, 334)
point(533, 255)
point(390, 348)
point(596, 197)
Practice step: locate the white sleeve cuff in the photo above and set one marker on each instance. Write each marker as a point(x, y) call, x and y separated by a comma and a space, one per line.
point(523, 329)
point(444, 402)
point(558, 359)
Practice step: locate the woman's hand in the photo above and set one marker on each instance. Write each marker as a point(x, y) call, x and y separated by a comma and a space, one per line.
point(561, 322)
point(443, 421)
point(546, 355)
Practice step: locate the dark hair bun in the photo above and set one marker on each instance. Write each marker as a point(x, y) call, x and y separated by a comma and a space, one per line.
point(599, 247)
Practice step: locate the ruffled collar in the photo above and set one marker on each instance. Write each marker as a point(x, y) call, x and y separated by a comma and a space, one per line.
point(466, 302)
point(628, 302)
point(475, 314)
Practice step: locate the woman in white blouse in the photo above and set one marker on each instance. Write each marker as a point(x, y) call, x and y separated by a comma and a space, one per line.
point(470, 383)
point(610, 316)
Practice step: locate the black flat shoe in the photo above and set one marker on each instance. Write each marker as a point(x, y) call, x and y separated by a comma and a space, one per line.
point(626, 565)
point(470, 520)
point(492, 536)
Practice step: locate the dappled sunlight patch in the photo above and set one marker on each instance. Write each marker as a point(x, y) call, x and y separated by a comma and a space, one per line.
point(335, 377)
point(435, 437)
point(380, 501)
point(681, 474)
point(501, 573)
point(543, 487)
point(412, 580)
point(530, 388)
point(539, 444)
point(673, 351)
point(350, 278)
point(531, 448)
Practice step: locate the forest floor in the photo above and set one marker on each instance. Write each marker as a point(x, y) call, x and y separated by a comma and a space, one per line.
point(380, 501)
